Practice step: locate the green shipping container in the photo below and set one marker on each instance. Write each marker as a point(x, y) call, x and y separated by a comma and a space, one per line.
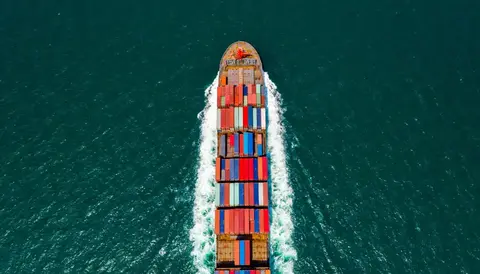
point(223, 101)
point(259, 102)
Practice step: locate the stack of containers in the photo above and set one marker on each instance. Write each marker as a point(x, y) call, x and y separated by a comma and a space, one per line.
point(241, 144)
point(241, 194)
point(241, 172)
point(236, 271)
point(241, 221)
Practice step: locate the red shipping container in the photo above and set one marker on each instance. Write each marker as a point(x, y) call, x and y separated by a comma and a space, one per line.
point(252, 177)
point(232, 117)
point(252, 221)
point(247, 252)
point(222, 121)
point(227, 96)
point(231, 138)
point(232, 221)
point(265, 193)
point(243, 168)
point(226, 195)
point(265, 168)
point(239, 96)
point(247, 167)
point(246, 221)
point(261, 221)
point(219, 88)
point(266, 222)
point(262, 100)
point(237, 221)
point(217, 222)
point(252, 194)
point(240, 136)
point(217, 169)
point(236, 252)
point(227, 170)
point(245, 117)
point(241, 220)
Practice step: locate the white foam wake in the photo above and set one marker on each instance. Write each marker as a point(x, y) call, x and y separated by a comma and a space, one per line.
point(281, 231)
point(201, 234)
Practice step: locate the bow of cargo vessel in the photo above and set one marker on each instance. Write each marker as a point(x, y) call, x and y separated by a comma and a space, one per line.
point(241, 198)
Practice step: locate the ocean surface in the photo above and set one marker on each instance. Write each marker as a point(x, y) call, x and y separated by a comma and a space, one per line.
point(106, 134)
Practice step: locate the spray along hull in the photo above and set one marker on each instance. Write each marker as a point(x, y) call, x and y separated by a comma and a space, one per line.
point(242, 189)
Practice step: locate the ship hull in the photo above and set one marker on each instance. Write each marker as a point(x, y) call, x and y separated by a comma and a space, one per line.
point(242, 170)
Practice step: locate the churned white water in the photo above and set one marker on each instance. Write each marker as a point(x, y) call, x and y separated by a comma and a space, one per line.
point(202, 235)
point(281, 225)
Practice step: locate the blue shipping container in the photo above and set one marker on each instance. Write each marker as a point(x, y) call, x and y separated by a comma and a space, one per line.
point(256, 217)
point(222, 163)
point(255, 193)
point(240, 190)
point(242, 252)
point(252, 141)
point(245, 143)
point(259, 150)
point(237, 169)
point(222, 193)
point(245, 90)
point(255, 169)
point(250, 116)
point(236, 142)
point(222, 145)
point(259, 118)
point(232, 169)
point(222, 221)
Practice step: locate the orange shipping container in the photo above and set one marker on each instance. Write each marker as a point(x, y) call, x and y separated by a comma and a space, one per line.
point(217, 222)
point(260, 168)
point(252, 221)
point(265, 193)
point(232, 221)
point(237, 252)
point(226, 196)
point(237, 221)
point(240, 223)
point(246, 221)
point(223, 80)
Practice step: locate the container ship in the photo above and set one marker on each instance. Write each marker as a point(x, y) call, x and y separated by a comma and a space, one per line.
point(242, 183)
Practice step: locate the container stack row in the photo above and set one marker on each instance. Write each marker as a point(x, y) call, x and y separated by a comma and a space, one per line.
point(241, 221)
point(240, 96)
point(238, 254)
point(241, 118)
point(239, 76)
point(244, 144)
point(241, 169)
point(236, 271)
point(241, 194)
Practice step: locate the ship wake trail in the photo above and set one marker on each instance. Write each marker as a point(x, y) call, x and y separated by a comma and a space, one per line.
point(283, 251)
point(201, 235)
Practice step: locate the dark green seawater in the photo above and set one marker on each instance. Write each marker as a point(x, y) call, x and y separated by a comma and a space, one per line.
point(99, 133)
